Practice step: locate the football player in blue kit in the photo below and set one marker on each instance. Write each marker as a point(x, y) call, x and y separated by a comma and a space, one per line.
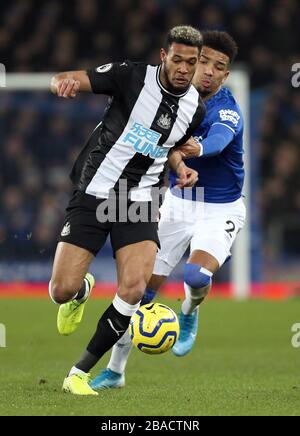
point(207, 218)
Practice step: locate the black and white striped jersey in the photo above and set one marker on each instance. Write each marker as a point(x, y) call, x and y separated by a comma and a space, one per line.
point(142, 122)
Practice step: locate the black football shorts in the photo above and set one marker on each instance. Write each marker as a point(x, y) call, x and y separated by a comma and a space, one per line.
point(83, 228)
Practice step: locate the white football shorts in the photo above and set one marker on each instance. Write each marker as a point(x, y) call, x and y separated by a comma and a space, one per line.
point(208, 227)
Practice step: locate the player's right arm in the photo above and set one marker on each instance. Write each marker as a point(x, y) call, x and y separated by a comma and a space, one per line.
point(110, 79)
point(68, 84)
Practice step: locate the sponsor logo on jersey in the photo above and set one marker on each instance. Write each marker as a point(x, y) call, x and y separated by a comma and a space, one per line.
point(104, 68)
point(66, 231)
point(145, 141)
point(165, 122)
point(230, 115)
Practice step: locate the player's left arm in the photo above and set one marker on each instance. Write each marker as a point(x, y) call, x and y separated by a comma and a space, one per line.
point(187, 177)
point(218, 138)
point(227, 124)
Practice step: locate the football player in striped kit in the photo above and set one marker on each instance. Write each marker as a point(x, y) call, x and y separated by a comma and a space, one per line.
point(151, 110)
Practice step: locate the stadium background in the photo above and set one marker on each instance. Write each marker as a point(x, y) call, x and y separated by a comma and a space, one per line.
point(243, 362)
point(41, 135)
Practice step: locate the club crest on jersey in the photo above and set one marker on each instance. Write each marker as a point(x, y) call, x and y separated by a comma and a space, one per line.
point(165, 122)
point(104, 68)
point(145, 141)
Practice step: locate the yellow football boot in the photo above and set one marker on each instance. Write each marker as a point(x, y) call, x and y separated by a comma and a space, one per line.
point(70, 314)
point(78, 384)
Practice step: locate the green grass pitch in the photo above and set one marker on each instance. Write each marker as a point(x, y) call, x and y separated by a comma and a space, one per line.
point(243, 364)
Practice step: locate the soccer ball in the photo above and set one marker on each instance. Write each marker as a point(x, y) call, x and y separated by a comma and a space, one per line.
point(154, 328)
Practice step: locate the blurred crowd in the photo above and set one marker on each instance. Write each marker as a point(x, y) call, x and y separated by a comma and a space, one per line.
point(279, 190)
point(42, 136)
point(53, 35)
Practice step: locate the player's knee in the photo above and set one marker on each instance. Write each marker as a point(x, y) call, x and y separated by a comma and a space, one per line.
point(132, 289)
point(198, 279)
point(61, 291)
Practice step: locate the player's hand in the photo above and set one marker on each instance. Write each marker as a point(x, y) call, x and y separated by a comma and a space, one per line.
point(67, 88)
point(190, 149)
point(192, 178)
point(187, 177)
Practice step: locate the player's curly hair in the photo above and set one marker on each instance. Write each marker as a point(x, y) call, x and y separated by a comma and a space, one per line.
point(222, 42)
point(186, 35)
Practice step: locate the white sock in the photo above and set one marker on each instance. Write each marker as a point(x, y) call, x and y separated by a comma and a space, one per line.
point(124, 308)
point(193, 298)
point(120, 354)
point(75, 370)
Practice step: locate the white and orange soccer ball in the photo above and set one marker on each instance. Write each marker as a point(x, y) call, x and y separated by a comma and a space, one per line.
point(154, 328)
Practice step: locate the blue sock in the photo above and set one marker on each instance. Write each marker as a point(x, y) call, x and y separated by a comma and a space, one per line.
point(148, 296)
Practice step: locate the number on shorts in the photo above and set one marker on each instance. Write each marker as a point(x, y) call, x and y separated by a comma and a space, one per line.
point(231, 228)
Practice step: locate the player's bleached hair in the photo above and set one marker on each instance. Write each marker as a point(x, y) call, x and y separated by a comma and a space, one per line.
point(186, 35)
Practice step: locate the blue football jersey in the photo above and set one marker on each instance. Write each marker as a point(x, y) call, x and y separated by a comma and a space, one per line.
point(221, 176)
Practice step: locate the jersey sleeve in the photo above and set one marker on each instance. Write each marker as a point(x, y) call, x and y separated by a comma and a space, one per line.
point(218, 138)
point(110, 79)
point(228, 115)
